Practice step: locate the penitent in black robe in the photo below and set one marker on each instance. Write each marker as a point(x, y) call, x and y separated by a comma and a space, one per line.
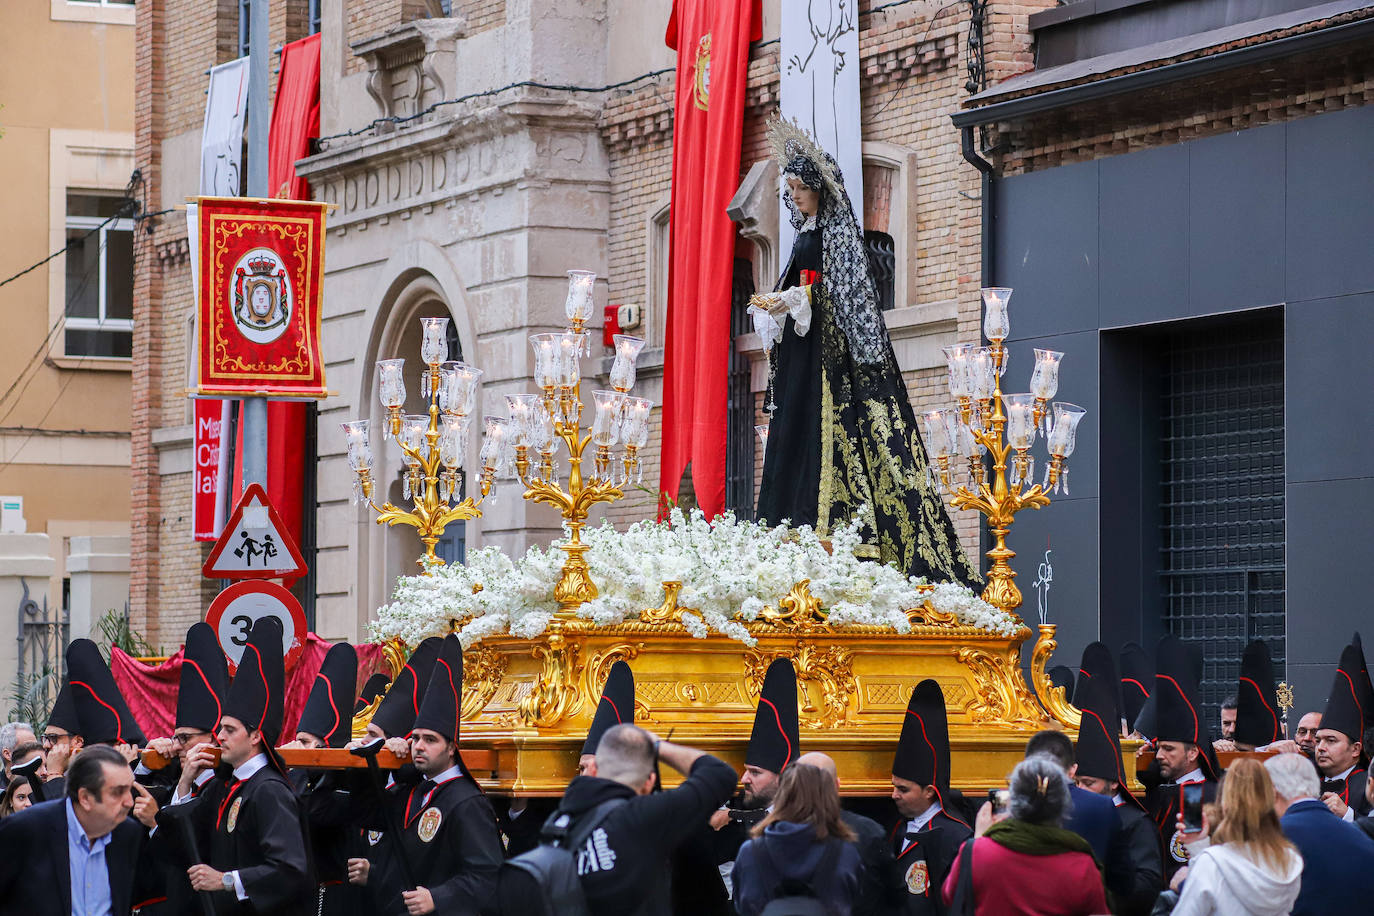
point(843, 436)
point(252, 827)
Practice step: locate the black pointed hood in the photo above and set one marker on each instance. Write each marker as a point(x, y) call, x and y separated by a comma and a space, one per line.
point(1257, 705)
point(1178, 712)
point(1098, 664)
point(396, 714)
point(1344, 710)
point(100, 708)
point(204, 680)
point(258, 690)
point(1099, 741)
point(923, 747)
point(442, 706)
point(63, 713)
point(617, 705)
point(375, 687)
point(1137, 680)
point(1362, 684)
point(776, 735)
point(328, 713)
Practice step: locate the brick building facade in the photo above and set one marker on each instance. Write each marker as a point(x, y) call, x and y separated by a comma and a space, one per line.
point(475, 208)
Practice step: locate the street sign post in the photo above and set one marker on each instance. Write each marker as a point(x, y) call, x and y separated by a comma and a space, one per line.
point(255, 544)
point(235, 609)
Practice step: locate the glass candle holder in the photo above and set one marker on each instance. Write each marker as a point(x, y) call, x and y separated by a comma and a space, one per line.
point(545, 348)
point(391, 383)
point(522, 418)
point(627, 350)
point(938, 442)
point(982, 373)
point(1020, 410)
point(541, 429)
point(1064, 434)
point(1044, 383)
point(495, 448)
point(605, 427)
point(634, 421)
point(434, 340)
point(996, 325)
point(463, 395)
point(957, 358)
point(452, 441)
point(413, 429)
point(568, 364)
point(359, 446)
point(578, 306)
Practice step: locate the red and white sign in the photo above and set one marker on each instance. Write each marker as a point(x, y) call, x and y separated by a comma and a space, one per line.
point(234, 611)
point(206, 446)
point(255, 544)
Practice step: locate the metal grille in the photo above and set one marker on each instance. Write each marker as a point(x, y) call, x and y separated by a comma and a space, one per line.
point(882, 261)
point(1222, 495)
point(43, 636)
point(739, 430)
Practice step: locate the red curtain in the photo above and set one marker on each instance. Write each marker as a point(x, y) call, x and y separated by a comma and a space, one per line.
point(151, 691)
point(711, 38)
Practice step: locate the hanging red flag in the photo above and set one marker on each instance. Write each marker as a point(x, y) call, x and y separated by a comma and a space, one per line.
point(711, 38)
point(259, 296)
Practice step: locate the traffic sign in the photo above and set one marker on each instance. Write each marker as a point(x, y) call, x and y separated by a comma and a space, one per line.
point(254, 544)
point(234, 611)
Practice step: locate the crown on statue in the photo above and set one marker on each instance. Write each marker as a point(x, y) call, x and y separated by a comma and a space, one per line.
point(262, 264)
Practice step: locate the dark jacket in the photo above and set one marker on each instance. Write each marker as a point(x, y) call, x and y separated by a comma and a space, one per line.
point(790, 852)
point(34, 861)
point(1338, 860)
point(1094, 818)
point(881, 890)
point(923, 860)
point(624, 864)
point(1135, 874)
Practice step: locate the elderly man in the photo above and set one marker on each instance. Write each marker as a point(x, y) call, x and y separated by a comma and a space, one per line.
point(1338, 859)
point(12, 734)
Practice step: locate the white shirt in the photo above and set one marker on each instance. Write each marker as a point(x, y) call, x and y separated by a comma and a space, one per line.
point(919, 822)
point(1349, 815)
point(1195, 775)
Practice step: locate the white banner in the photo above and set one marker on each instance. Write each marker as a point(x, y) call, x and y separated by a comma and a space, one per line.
point(221, 141)
point(820, 90)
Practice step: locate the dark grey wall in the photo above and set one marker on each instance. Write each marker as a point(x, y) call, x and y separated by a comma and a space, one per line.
point(1275, 216)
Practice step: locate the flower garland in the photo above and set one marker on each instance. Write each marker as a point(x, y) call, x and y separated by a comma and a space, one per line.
point(729, 570)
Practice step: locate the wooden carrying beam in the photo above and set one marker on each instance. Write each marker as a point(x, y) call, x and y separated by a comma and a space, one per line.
point(474, 760)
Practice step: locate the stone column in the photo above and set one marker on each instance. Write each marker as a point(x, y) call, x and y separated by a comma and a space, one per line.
point(99, 571)
point(24, 559)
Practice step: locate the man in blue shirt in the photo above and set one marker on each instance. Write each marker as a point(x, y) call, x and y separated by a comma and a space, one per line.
point(78, 855)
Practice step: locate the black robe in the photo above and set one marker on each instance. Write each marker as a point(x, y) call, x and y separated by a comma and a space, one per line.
point(881, 890)
point(450, 843)
point(252, 827)
point(170, 860)
point(844, 437)
point(923, 861)
point(1350, 790)
point(1163, 802)
point(1135, 873)
point(333, 829)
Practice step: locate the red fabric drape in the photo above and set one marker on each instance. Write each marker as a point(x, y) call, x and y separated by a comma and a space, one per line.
point(151, 691)
point(712, 40)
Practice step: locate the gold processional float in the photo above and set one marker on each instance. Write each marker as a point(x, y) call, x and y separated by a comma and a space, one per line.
point(527, 702)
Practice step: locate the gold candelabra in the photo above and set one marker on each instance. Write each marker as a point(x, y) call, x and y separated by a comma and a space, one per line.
point(524, 444)
point(985, 423)
point(432, 445)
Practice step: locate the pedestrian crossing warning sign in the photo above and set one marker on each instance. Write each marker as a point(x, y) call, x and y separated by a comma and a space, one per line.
point(255, 544)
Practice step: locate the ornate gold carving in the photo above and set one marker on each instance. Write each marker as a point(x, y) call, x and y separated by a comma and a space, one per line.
point(1002, 695)
point(555, 695)
point(798, 608)
point(483, 669)
point(394, 654)
point(1051, 696)
point(926, 613)
point(598, 669)
point(829, 670)
point(668, 611)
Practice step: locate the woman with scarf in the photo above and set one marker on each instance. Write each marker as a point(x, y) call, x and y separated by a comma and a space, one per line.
point(842, 439)
point(1027, 864)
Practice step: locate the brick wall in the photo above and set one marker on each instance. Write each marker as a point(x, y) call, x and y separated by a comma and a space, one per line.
point(482, 14)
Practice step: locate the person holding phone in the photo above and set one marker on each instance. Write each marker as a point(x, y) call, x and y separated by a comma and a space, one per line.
point(1244, 865)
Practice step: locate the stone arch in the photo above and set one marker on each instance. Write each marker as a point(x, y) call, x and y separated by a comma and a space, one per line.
point(417, 280)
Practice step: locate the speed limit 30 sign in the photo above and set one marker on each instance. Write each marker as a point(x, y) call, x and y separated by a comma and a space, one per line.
point(234, 610)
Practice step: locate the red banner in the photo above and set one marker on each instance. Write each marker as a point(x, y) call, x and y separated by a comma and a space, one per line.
point(258, 305)
point(205, 455)
point(295, 117)
point(711, 38)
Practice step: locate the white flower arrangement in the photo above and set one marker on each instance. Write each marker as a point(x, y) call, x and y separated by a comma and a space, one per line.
point(729, 570)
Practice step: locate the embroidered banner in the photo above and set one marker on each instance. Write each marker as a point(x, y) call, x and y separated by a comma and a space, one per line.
point(258, 298)
point(221, 138)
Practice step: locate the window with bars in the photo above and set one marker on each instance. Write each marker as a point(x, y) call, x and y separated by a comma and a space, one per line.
point(1222, 494)
point(739, 431)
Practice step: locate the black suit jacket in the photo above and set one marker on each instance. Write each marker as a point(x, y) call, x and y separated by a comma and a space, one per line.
point(34, 863)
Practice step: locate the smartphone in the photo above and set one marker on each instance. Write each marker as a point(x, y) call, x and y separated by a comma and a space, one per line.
point(1000, 799)
point(1192, 807)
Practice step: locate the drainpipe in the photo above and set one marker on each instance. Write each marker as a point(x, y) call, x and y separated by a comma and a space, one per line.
point(971, 156)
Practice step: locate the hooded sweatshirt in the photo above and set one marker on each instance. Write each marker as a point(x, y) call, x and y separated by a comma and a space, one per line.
point(1223, 880)
point(793, 853)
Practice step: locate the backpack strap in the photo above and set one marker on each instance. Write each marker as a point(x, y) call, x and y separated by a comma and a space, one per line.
point(568, 832)
point(963, 903)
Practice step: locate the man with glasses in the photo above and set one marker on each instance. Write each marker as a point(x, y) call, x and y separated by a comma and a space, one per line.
point(61, 740)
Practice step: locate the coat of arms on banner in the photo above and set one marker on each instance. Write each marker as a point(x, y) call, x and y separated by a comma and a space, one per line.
point(259, 298)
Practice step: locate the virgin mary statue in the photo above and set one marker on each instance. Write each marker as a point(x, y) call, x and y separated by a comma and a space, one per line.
point(842, 439)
